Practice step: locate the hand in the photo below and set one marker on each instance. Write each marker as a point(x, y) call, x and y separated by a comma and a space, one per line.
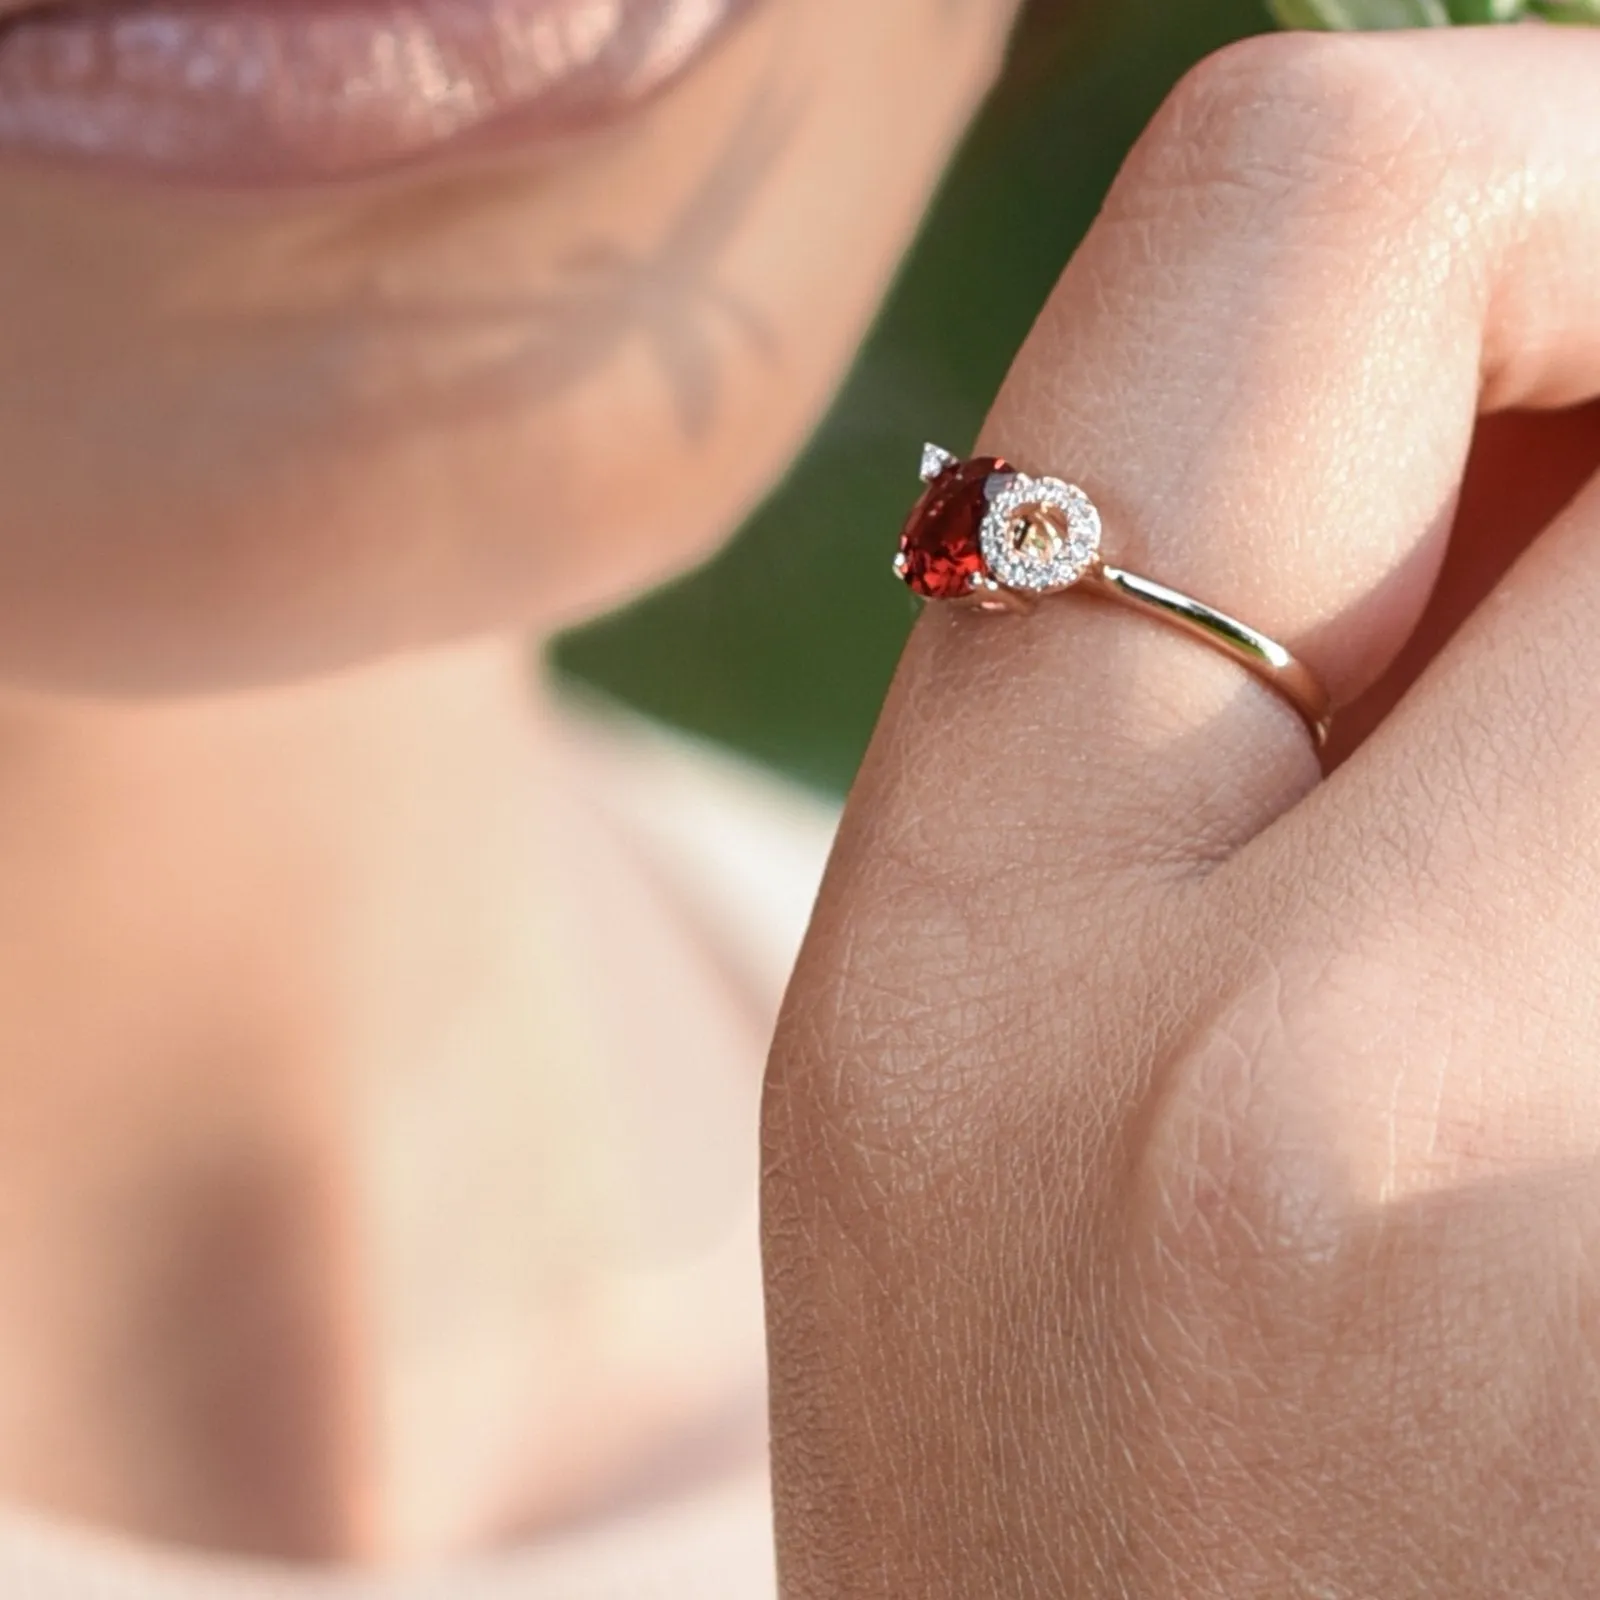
point(1183, 1175)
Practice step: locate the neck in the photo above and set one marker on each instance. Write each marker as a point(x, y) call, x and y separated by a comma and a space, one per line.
point(315, 1182)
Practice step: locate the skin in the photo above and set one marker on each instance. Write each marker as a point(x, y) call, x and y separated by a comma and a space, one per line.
point(1183, 1188)
point(1181, 1171)
point(327, 995)
point(329, 427)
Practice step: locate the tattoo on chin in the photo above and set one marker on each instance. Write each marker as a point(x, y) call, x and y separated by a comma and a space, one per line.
point(670, 296)
point(458, 358)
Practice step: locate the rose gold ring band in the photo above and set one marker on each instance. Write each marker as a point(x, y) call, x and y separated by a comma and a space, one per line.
point(989, 535)
point(1255, 652)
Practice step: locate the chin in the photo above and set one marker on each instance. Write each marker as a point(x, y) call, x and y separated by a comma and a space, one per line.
point(321, 537)
point(257, 436)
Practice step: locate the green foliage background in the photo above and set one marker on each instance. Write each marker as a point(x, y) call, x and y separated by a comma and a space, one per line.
point(783, 647)
point(1368, 14)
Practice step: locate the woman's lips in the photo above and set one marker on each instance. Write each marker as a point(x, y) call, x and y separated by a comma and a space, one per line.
point(265, 91)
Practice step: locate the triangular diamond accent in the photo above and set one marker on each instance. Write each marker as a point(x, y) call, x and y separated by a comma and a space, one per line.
point(934, 461)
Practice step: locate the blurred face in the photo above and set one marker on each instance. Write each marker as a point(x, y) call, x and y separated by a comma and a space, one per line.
point(330, 327)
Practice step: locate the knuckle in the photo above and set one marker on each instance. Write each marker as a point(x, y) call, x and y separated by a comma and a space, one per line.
point(1303, 126)
point(1232, 1184)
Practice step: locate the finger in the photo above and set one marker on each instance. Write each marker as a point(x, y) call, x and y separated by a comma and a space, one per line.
point(1525, 469)
point(1456, 857)
point(1266, 365)
point(1325, 259)
point(1398, 1096)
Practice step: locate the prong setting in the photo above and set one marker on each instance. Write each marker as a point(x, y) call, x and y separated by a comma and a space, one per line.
point(987, 595)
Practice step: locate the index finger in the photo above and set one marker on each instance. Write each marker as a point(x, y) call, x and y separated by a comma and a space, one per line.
point(1325, 260)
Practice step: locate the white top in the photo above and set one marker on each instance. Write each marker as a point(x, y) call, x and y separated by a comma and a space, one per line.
point(716, 1546)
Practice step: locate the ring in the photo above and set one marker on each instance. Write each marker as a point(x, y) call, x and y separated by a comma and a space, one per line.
point(997, 538)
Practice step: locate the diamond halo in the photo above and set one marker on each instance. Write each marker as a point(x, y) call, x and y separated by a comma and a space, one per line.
point(1059, 530)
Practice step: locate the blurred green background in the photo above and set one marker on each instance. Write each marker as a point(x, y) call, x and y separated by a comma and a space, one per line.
point(784, 646)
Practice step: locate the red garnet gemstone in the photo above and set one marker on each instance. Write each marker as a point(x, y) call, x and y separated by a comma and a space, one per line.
point(939, 549)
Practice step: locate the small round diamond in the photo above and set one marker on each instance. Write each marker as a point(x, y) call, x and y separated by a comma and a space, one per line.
point(1040, 534)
